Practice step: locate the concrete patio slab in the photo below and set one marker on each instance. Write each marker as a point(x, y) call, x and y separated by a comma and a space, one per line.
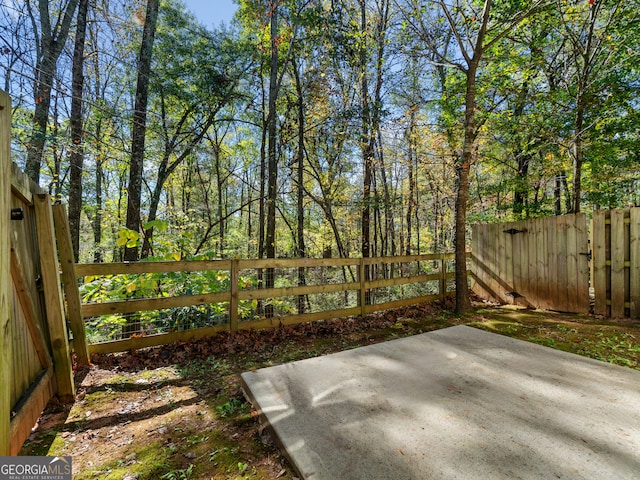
point(457, 403)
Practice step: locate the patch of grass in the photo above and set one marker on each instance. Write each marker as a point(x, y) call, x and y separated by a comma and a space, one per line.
point(621, 348)
point(146, 463)
point(233, 407)
point(181, 474)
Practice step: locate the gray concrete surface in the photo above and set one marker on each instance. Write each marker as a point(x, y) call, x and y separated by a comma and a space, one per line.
point(457, 403)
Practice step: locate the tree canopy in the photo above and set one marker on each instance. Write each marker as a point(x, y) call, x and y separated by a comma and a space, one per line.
point(323, 127)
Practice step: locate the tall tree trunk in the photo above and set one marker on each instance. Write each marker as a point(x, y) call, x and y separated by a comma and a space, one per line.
point(76, 160)
point(97, 218)
point(463, 303)
point(367, 150)
point(302, 251)
point(134, 189)
point(50, 46)
point(272, 155)
point(411, 201)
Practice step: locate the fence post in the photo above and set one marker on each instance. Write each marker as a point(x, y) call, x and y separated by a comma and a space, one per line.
point(442, 284)
point(363, 289)
point(53, 297)
point(70, 281)
point(5, 275)
point(233, 302)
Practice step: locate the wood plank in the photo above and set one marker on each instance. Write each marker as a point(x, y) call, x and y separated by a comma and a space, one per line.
point(233, 296)
point(22, 187)
point(492, 245)
point(70, 282)
point(532, 258)
point(406, 302)
point(302, 318)
point(53, 298)
point(544, 270)
point(506, 268)
point(5, 276)
point(29, 309)
point(552, 264)
point(599, 259)
point(617, 263)
point(522, 252)
point(362, 278)
point(148, 304)
point(125, 345)
point(634, 260)
point(479, 265)
point(125, 268)
point(572, 263)
point(562, 262)
point(497, 241)
point(102, 269)
point(584, 267)
point(28, 410)
point(516, 260)
point(246, 264)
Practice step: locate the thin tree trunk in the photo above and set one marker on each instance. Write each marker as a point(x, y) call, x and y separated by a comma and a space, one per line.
point(49, 48)
point(97, 218)
point(300, 184)
point(367, 151)
point(272, 155)
point(76, 160)
point(411, 201)
point(134, 189)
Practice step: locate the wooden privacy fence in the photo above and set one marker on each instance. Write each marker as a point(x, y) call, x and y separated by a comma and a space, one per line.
point(346, 278)
point(541, 263)
point(35, 353)
point(40, 364)
point(616, 262)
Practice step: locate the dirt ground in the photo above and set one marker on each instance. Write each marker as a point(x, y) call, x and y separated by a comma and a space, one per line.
point(177, 412)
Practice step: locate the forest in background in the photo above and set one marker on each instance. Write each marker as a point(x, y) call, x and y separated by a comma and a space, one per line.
point(312, 128)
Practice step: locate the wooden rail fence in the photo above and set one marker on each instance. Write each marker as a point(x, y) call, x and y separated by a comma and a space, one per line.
point(236, 294)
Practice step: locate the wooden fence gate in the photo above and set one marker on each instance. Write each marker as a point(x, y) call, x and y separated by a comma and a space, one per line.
point(35, 352)
point(541, 263)
point(616, 262)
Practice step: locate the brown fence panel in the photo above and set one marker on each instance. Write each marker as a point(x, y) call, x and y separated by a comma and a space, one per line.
point(5, 276)
point(539, 263)
point(32, 379)
point(36, 368)
point(616, 262)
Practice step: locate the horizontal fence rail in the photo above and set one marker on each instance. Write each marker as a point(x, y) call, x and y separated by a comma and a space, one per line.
point(198, 298)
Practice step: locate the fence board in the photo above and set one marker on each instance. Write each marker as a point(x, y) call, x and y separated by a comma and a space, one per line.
point(53, 297)
point(634, 260)
point(617, 263)
point(552, 261)
point(582, 258)
point(5, 278)
point(572, 266)
point(599, 261)
point(506, 266)
point(561, 254)
point(70, 281)
point(542, 267)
